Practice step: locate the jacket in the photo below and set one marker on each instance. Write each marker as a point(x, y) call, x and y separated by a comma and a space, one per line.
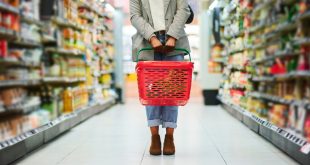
point(176, 15)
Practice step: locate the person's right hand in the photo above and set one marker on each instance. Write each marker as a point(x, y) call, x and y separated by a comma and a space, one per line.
point(156, 44)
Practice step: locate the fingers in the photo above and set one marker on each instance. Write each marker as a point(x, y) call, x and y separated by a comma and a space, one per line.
point(170, 44)
point(156, 44)
point(159, 49)
point(169, 47)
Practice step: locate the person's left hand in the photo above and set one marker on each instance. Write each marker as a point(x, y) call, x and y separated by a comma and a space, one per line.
point(170, 44)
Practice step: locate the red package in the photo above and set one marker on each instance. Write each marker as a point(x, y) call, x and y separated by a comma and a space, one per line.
point(3, 48)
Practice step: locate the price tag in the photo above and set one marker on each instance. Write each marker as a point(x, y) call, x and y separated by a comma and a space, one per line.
point(305, 149)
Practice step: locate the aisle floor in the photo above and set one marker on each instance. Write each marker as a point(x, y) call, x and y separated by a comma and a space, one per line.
point(206, 135)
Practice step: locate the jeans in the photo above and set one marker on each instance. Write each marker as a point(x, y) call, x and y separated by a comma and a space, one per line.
point(163, 115)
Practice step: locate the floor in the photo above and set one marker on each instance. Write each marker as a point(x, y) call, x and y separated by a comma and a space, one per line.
point(206, 135)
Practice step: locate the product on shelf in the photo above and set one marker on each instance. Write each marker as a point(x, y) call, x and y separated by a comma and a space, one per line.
point(307, 128)
point(74, 99)
point(268, 68)
point(56, 57)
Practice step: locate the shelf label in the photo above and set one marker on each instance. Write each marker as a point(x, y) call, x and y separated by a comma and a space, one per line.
point(305, 149)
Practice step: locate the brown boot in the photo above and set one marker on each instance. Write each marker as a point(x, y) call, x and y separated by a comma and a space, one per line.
point(169, 148)
point(155, 148)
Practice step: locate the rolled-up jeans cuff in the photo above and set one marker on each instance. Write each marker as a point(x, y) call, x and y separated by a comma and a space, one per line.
point(154, 123)
point(169, 125)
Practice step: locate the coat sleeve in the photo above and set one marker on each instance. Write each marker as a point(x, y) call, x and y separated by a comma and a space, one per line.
point(142, 26)
point(179, 20)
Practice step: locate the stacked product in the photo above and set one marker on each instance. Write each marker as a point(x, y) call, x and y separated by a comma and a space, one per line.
point(56, 57)
point(268, 67)
point(215, 64)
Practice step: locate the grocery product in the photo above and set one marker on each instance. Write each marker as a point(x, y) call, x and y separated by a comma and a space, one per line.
point(56, 57)
point(267, 67)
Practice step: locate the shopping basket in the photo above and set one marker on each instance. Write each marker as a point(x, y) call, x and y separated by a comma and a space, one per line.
point(164, 83)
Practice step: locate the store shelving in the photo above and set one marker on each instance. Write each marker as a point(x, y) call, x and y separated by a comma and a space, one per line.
point(9, 8)
point(285, 139)
point(303, 15)
point(270, 97)
point(63, 51)
point(63, 80)
point(31, 20)
point(27, 43)
point(46, 63)
point(291, 75)
point(273, 51)
point(25, 107)
point(302, 41)
point(280, 54)
point(65, 23)
point(263, 5)
point(13, 62)
point(12, 83)
point(13, 149)
point(7, 33)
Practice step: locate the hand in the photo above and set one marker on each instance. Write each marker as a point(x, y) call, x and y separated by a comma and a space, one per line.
point(156, 44)
point(170, 44)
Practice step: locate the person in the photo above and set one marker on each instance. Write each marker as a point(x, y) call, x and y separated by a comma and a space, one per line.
point(160, 24)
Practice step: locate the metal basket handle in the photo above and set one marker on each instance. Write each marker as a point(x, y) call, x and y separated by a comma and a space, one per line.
point(148, 49)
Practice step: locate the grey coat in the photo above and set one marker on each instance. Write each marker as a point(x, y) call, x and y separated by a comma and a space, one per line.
point(176, 14)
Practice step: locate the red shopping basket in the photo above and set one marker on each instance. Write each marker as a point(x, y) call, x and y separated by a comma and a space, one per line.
point(164, 83)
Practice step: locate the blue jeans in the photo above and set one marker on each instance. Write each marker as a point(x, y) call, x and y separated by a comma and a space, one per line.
point(163, 115)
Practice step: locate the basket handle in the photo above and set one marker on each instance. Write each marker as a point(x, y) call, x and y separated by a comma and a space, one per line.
point(149, 49)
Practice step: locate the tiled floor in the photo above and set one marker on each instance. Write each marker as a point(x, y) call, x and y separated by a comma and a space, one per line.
point(206, 135)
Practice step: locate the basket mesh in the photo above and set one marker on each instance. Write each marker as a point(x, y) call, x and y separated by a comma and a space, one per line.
point(164, 85)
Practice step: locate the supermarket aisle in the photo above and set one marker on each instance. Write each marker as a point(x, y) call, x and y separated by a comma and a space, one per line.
point(206, 135)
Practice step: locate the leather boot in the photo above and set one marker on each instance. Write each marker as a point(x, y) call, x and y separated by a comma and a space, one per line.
point(155, 148)
point(169, 148)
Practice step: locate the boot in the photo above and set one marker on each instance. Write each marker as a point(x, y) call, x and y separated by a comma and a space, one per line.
point(169, 148)
point(155, 148)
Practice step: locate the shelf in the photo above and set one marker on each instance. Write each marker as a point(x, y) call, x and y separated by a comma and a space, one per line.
point(48, 39)
point(257, 27)
point(31, 20)
point(90, 7)
point(29, 43)
point(11, 62)
point(295, 74)
point(305, 15)
point(291, 75)
point(8, 8)
point(287, 26)
point(12, 83)
point(236, 67)
point(55, 80)
point(87, 17)
point(65, 51)
point(15, 148)
point(7, 33)
point(106, 72)
point(280, 54)
point(237, 51)
point(65, 23)
point(25, 107)
point(263, 5)
point(270, 98)
point(302, 41)
point(263, 78)
point(240, 33)
point(237, 86)
point(259, 46)
point(99, 86)
point(288, 141)
point(219, 60)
